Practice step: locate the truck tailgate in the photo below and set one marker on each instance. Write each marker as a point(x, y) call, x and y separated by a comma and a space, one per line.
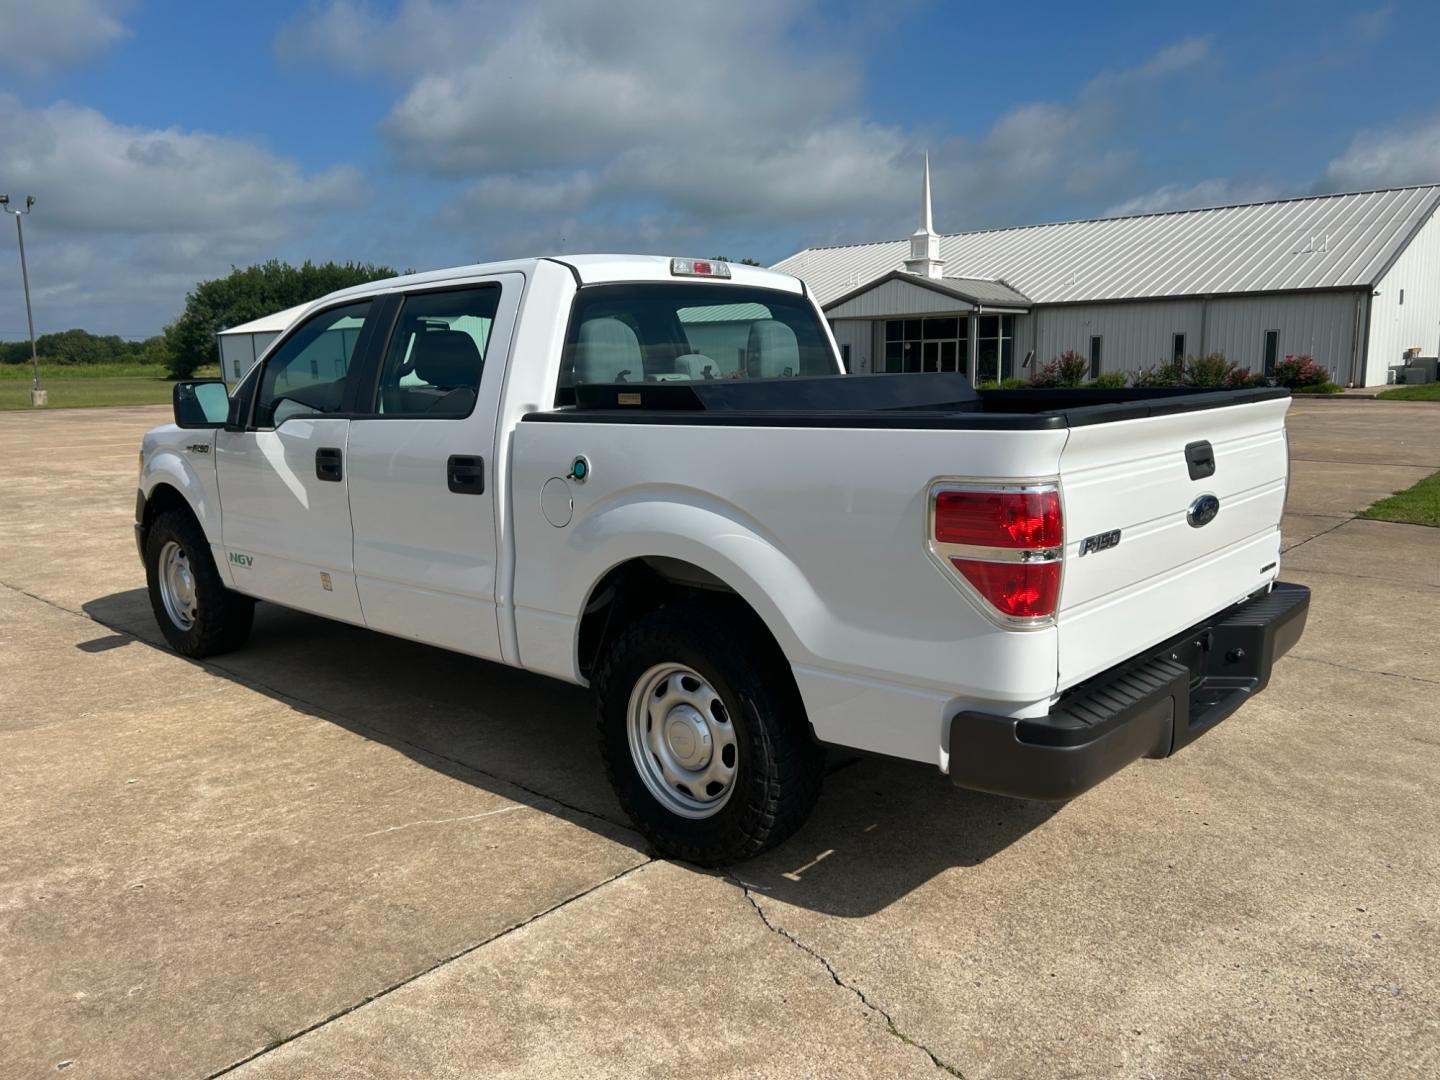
point(1164, 572)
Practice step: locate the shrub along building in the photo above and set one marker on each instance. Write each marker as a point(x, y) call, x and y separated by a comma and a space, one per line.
point(1352, 280)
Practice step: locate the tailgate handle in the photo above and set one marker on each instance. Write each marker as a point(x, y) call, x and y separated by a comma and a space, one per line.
point(1200, 459)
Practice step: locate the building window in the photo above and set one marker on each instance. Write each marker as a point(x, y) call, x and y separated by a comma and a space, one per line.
point(1096, 344)
point(994, 348)
point(1177, 348)
point(1272, 352)
point(935, 344)
point(845, 357)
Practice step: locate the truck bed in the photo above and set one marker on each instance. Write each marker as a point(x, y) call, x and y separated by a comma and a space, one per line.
point(939, 400)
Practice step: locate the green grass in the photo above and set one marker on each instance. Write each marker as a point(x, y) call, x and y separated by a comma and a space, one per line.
point(1318, 388)
point(1418, 505)
point(1423, 392)
point(89, 385)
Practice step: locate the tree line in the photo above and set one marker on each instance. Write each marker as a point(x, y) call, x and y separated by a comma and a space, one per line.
point(189, 342)
point(83, 347)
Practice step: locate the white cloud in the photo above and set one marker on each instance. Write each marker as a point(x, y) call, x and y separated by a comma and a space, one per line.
point(1388, 157)
point(570, 118)
point(38, 37)
point(129, 218)
point(1215, 192)
point(1181, 56)
point(94, 175)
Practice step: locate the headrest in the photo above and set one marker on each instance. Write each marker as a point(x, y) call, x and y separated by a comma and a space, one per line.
point(446, 358)
point(772, 350)
point(605, 348)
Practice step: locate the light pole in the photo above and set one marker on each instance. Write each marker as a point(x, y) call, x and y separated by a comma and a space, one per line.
point(37, 396)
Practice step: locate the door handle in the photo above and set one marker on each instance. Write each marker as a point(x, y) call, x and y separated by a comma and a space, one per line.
point(465, 474)
point(327, 463)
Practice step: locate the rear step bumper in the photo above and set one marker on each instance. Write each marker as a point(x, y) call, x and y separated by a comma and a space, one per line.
point(1149, 706)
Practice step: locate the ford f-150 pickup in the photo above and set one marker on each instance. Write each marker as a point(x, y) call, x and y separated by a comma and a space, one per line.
point(651, 476)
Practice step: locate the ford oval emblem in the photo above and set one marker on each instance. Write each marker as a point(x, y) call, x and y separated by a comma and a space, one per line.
point(1202, 511)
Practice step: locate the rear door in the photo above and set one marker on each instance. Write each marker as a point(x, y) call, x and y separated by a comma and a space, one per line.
point(421, 460)
point(283, 481)
point(1157, 539)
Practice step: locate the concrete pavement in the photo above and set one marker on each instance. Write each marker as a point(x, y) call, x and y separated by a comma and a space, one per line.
point(339, 854)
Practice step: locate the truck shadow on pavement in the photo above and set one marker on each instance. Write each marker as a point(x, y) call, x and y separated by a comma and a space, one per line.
point(881, 829)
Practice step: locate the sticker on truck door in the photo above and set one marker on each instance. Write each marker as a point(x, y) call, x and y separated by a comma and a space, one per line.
point(244, 561)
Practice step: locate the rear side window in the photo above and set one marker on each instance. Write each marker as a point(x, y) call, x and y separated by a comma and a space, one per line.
point(661, 332)
point(437, 353)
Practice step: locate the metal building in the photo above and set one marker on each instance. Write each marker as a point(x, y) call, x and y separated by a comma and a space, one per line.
point(241, 346)
point(1352, 280)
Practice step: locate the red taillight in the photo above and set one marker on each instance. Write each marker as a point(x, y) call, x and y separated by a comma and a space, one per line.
point(1005, 544)
point(1021, 590)
point(1008, 519)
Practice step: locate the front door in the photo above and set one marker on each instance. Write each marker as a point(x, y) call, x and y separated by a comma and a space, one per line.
point(284, 480)
point(422, 491)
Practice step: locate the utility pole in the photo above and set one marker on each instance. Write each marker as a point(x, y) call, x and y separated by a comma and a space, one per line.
point(37, 395)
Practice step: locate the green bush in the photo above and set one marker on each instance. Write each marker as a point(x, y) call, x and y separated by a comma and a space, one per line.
point(1212, 370)
point(1067, 369)
point(1109, 380)
point(1162, 374)
point(1300, 371)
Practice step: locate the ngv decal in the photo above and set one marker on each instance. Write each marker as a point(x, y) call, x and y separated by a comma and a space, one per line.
point(236, 559)
point(1100, 542)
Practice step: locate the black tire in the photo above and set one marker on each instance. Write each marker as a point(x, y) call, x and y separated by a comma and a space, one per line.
point(779, 765)
point(222, 617)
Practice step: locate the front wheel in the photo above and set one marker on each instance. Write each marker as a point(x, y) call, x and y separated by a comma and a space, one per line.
point(704, 735)
point(197, 614)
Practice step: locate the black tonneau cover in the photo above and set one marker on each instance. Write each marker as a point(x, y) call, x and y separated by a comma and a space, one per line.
point(931, 400)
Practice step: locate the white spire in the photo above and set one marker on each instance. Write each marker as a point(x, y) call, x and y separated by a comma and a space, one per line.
point(924, 257)
point(926, 221)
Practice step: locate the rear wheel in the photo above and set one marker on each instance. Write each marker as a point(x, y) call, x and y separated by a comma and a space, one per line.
point(197, 614)
point(706, 743)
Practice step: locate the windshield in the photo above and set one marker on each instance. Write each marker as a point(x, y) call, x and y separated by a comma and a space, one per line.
point(664, 332)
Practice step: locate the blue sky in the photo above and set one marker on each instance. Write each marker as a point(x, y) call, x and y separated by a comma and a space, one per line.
point(168, 141)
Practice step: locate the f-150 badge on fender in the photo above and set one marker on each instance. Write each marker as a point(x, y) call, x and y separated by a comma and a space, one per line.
point(1100, 542)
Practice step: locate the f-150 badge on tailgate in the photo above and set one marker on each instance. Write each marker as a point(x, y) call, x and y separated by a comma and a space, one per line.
point(1100, 542)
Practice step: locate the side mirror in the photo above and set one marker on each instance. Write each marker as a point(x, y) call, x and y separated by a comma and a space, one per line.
point(201, 403)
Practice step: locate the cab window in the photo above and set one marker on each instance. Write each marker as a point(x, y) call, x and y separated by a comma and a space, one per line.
point(664, 332)
point(437, 353)
point(308, 373)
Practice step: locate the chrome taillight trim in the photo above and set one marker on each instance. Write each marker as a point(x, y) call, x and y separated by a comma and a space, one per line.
point(941, 554)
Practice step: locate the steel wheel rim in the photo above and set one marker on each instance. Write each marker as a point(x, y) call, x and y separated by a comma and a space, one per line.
point(177, 586)
point(682, 740)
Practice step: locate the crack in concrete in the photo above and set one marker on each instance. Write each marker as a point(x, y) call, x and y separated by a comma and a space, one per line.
point(1326, 532)
point(466, 951)
point(835, 977)
point(1361, 671)
point(441, 821)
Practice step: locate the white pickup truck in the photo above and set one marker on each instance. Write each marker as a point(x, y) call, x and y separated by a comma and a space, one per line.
point(650, 476)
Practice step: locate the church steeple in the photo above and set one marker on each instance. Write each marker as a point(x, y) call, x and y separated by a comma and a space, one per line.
point(924, 243)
